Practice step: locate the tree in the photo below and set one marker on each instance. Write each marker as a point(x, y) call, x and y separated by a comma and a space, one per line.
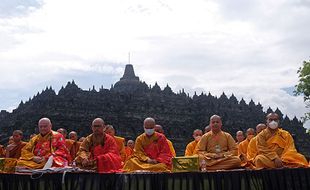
point(303, 86)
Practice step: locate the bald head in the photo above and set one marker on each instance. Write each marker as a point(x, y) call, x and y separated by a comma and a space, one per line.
point(73, 136)
point(272, 121)
point(215, 123)
point(149, 123)
point(272, 115)
point(207, 128)
point(98, 126)
point(110, 130)
point(63, 132)
point(239, 136)
point(98, 121)
point(250, 131)
point(45, 120)
point(159, 129)
point(131, 144)
point(260, 127)
point(17, 136)
point(45, 126)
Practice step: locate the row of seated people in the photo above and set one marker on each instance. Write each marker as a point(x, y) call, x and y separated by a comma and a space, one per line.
point(273, 147)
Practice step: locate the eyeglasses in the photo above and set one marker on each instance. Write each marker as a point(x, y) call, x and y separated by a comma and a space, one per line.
point(270, 119)
point(97, 126)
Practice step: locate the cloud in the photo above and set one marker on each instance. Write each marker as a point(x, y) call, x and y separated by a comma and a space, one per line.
point(252, 49)
point(13, 8)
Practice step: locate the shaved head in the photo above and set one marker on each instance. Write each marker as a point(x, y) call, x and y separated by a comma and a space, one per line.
point(250, 131)
point(215, 123)
point(98, 120)
point(45, 119)
point(73, 136)
point(239, 136)
point(45, 126)
point(260, 127)
point(149, 123)
point(110, 130)
point(131, 143)
point(159, 129)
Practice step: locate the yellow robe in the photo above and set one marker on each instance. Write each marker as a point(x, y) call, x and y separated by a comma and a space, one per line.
point(162, 151)
point(190, 148)
point(171, 148)
point(242, 151)
point(252, 152)
point(280, 145)
point(55, 145)
point(212, 144)
point(121, 147)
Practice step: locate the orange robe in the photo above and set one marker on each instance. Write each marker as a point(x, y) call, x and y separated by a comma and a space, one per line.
point(153, 147)
point(129, 152)
point(242, 151)
point(2, 151)
point(52, 143)
point(279, 145)
point(121, 147)
point(252, 152)
point(73, 147)
point(190, 148)
point(103, 158)
point(171, 148)
point(212, 144)
point(16, 151)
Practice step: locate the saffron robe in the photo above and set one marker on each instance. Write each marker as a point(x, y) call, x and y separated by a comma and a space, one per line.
point(73, 147)
point(279, 145)
point(103, 158)
point(242, 151)
point(52, 143)
point(171, 148)
point(2, 151)
point(16, 151)
point(252, 152)
point(212, 144)
point(150, 147)
point(190, 148)
point(121, 147)
point(128, 151)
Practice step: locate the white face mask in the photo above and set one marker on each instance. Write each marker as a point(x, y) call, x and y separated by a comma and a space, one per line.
point(273, 124)
point(149, 132)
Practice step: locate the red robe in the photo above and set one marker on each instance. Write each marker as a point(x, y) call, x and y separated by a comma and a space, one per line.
point(107, 156)
point(52, 143)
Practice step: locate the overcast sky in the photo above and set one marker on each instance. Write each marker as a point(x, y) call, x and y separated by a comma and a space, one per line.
point(250, 48)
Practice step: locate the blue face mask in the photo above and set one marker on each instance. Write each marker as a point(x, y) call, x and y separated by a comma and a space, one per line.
point(149, 132)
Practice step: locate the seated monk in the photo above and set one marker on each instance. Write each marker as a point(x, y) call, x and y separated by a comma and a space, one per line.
point(276, 147)
point(207, 129)
point(159, 129)
point(191, 147)
point(48, 143)
point(69, 142)
point(14, 150)
point(75, 144)
point(252, 148)
point(218, 148)
point(151, 152)
point(2, 151)
point(120, 141)
point(243, 147)
point(129, 148)
point(99, 151)
point(239, 137)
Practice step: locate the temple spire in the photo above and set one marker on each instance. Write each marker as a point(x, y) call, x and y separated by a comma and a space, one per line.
point(129, 73)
